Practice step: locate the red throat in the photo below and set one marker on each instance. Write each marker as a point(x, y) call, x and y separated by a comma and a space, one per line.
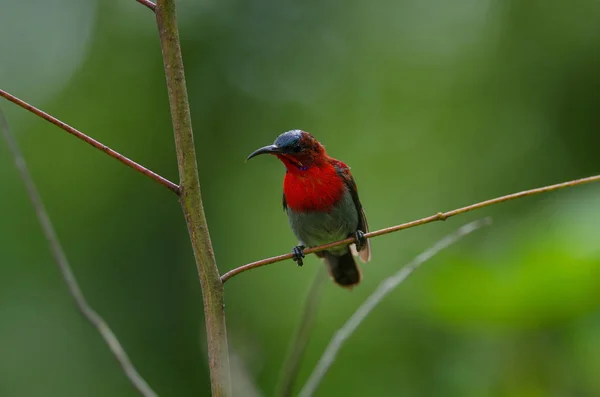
point(315, 187)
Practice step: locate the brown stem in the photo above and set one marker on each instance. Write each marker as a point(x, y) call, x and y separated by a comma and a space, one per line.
point(440, 216)
point(191, 200)
point(130, 163)
point(148, 4)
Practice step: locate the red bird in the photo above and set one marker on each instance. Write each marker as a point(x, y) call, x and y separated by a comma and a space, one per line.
point(321, 201)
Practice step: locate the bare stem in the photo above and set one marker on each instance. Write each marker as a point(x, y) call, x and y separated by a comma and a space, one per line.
point(440, 216)
point(67, 273)
point(80, 135)
point(386, 286)
point(191, 200)
point(148, 4)
point(293, 358)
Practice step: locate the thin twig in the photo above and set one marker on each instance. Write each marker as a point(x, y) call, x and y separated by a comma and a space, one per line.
point(100, 146)
point(148, 4)
point(293, 358)
point(440, 216)
point(190, 198)
point(377, 296)
point(67, 273)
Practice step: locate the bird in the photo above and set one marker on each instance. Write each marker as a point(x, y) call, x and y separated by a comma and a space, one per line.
point(321, 201)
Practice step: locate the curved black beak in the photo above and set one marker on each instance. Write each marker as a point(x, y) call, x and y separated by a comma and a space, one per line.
point(265, 150)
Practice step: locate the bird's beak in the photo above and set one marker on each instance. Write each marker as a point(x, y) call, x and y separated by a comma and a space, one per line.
point(265, 150)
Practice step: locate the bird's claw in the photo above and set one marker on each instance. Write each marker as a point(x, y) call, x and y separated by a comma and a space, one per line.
point(361, 240)
point(298, 254)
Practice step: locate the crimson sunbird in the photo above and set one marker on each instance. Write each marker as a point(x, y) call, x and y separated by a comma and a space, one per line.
point(322, 204)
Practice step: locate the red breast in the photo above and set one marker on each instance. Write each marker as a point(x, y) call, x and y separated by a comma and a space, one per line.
point(317, 188)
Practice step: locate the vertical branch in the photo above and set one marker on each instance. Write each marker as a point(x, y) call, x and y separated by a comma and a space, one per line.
point(293, 358)
point(65, 269)
point(191, 200)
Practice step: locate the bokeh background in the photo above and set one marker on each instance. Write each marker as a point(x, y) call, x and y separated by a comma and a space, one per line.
point(434, 104)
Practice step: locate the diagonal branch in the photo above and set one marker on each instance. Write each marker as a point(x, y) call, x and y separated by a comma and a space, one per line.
point(78, 134)
point(440, 216)
point(67, 273)
point(373, 300)
point(148, 4)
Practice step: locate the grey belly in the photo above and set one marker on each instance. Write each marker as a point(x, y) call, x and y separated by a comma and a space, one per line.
point(317, 228)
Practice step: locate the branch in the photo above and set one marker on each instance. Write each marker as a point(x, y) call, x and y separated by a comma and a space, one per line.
point(440, 216)
point(191, 200)
point(130, 163)
point(148, 4)
point(296, 350)
point(377, 296)
point(67, 273)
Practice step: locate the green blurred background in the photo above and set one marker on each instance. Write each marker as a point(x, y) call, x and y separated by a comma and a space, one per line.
point(434, 104)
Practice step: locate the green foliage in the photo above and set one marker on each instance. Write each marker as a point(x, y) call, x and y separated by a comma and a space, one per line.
point(434, 105)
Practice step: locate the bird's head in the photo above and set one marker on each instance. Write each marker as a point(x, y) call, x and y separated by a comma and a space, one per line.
point(297, 149)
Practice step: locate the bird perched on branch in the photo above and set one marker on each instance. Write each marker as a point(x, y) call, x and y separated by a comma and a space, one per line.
point(321, 201)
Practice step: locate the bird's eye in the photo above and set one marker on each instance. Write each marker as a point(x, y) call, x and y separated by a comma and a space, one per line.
point(297, 148)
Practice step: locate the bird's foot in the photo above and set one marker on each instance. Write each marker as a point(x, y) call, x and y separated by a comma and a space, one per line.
point(298, 252)
point(361, 240)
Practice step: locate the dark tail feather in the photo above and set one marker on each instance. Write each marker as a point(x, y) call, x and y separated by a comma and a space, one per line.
point(343, 269)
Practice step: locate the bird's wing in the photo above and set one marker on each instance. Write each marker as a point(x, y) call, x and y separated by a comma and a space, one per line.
point(284, 203)
point(344, 171)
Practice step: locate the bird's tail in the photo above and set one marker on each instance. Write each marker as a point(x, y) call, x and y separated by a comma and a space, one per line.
point(343, 268)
